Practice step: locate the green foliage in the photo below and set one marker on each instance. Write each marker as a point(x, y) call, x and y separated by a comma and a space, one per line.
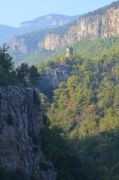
point(31, 58)
point(10, 119)
point(25, 73)
point(103, 10)
point(33, 37)
point(44, 166)
point(33, 72)
point(16, 175)
point(19, 175)
point(85, 48)
point(33, 75)
point(35, 149)
point(62, 30)
point(44, 103)
point(91, 49)
point(81, 136)
point(9, 75)
point(22, 71)
point(6, 66)
point(35, 139)
point(3, 174)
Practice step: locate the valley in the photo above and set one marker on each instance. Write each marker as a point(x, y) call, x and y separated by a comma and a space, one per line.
point(59, 111)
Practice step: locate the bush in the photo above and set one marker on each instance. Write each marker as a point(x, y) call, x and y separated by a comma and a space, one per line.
point(3, 174)
point(44, 165)
point(10, 120)
point(35, 149)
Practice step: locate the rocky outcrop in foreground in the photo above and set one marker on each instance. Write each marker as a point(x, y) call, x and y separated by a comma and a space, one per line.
point(20, 125)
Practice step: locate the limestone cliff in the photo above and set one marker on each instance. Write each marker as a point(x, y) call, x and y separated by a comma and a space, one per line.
point(24, 45)
point(90, 27)
point(18, 45)
point(20, 123)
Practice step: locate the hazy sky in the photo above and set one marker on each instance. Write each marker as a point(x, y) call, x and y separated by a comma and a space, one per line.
point(13, 12)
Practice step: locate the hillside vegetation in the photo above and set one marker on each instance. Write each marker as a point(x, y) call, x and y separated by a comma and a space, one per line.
point(43, 22)
point(102, 10)
point(92, 49)
point(84, 48)
point(84, 116)
point(35, 40)
point(19, 76)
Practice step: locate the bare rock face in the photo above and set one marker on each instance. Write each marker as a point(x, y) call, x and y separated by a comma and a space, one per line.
point(51, 77)
point(91, 28)
point(18, 45)
point(24, 45)
point(20, 121)
point(53, 42)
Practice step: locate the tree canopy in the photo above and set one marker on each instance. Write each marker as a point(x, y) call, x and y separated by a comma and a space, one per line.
point(81, 136)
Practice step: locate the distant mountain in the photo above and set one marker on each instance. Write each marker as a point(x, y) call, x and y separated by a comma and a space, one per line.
point(43, 22)
point(50, 21)
point(101, 23)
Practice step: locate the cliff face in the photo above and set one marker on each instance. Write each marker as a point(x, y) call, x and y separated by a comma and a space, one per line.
point(20, 121)
point(18, 45)
point(51, 77)
point(23, 45)
point(91, 28)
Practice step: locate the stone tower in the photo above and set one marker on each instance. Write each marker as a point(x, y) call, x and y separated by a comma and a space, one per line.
point(69, 51)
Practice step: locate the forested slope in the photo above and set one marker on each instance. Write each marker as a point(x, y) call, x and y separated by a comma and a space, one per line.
point(84, 48)
point(84, 117)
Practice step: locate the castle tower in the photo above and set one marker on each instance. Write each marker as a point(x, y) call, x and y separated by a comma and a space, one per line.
point(69, 51)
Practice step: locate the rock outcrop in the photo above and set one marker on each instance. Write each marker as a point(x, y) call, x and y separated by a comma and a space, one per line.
point(24, 45)
point(20, 125)
point(18, 45)
point(51, 77)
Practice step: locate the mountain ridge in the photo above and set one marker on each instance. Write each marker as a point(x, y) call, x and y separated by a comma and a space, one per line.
point(104, 23)
point(59, 20)
point(8, 32)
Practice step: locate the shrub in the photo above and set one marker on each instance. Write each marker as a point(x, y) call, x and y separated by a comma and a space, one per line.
point(10, 120)
point(44, 165)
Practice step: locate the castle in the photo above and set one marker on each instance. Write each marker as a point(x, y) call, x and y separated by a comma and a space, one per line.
point(69, 51)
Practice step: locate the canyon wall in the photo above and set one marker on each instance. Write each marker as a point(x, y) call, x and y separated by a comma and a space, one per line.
point(20, 125)
point(91, 27)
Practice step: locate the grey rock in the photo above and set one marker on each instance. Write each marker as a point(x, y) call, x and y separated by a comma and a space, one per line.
point(52, 77)
point(20, 118)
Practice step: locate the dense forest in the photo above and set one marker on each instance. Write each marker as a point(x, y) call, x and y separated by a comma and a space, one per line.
point(80, 135)
point(81, 125)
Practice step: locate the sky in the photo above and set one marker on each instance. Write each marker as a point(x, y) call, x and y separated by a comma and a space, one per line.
point(14, 12)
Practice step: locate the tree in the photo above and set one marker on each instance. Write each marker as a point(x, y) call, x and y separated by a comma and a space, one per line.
point(22, 71)
point(33, 75)
point(6, 65)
